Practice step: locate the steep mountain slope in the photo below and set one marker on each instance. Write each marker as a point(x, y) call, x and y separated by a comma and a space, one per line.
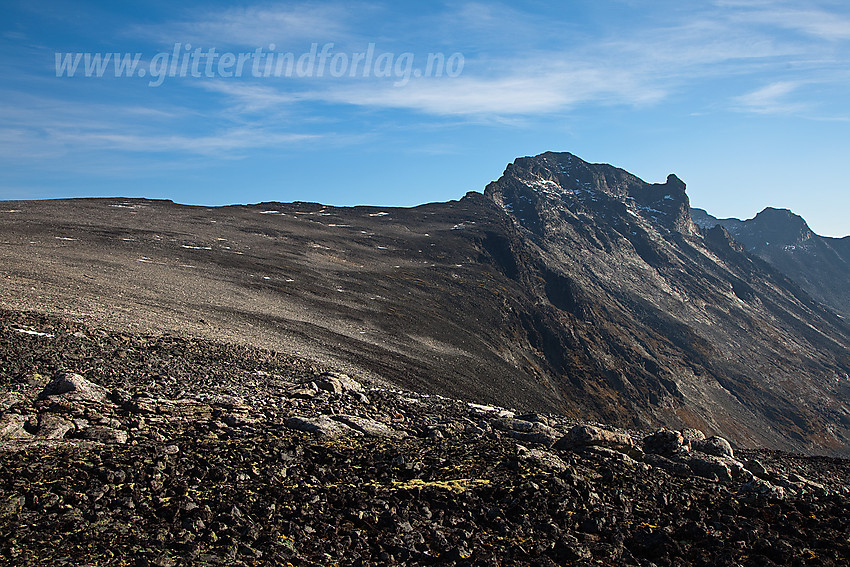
point(666, 314)
point(566, 287)
point(819, 264)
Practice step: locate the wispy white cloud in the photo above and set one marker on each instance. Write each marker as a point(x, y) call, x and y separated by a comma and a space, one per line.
point(494, 27)
point(640, 69)
point(218, 144)
point(253, 97)
point(51, 127)
point(14, 35)
point(546, 71)
point(546, 90)
point(635, 69)
point(522, 63)
point(816, 21)
point(226, 143)
point(744, 40)
point(772, 99)
point(256, 26)
point(824, 25)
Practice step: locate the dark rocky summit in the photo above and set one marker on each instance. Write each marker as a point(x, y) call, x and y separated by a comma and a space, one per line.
point(818, 264)
point(122, 448)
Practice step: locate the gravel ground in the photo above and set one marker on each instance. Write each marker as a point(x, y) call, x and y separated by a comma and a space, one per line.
point(131, 449)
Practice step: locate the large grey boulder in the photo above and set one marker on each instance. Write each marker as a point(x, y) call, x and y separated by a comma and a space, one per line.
point(692, 436)
point(717, 446)
point(541, 458)
point(529, 432)
point(590, 436)
point(710, 467)
point(321, 425)
point(337, 383)
point(369, 426)
point(10, 400)
point(74, 386)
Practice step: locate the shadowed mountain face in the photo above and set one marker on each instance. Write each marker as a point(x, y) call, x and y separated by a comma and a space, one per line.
point(567, 286)
point(819, 264)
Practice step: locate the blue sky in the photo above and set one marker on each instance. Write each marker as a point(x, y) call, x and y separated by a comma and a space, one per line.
point(745, 100)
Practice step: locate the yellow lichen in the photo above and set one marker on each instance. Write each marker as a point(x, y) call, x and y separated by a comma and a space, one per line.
point(454, 485)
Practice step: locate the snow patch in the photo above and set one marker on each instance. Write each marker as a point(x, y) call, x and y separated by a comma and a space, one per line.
point(33, 333)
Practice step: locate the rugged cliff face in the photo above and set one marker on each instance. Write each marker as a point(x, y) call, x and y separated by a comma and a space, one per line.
point(680, 323)
point(820, 265)
point(566, 286)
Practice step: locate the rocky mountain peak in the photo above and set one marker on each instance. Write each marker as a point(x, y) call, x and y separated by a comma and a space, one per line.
point(782, 226)
point(539, 190)
point(821, 265)
point(674, 182)
point(771, 227)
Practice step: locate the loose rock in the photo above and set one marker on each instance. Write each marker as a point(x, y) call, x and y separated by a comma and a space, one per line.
point(104, 434)
point(75, 386)
point(588, 435)
point(12, 426)
point(663, 442)
point(369, 426)
point(51, 426)
point(321, 425)
point(717, 446)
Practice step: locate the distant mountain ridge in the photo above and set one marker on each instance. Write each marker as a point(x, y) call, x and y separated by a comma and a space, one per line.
point(566, 286)
point(819, 264)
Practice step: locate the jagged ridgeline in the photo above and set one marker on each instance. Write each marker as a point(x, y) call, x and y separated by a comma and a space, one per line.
point(819, 264)
point(566, 286)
